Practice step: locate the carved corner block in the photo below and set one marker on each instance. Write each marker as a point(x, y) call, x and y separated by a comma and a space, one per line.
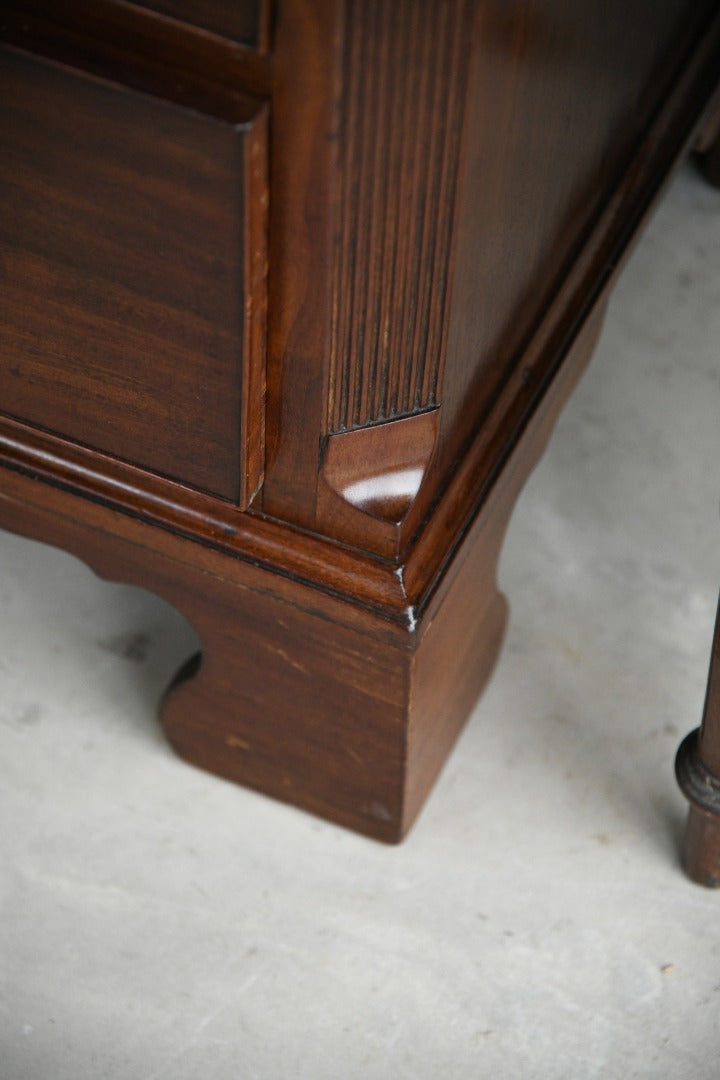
point(370, 477)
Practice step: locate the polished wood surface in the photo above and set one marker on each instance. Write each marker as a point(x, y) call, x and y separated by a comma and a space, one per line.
point(244, 21)
point(399, 129)
point(295, 293)
point(127, 225)
point(547, 138)
point(133, 46)
point(698, 772)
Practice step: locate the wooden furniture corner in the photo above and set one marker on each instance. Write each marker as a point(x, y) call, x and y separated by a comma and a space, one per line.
point(292, 295)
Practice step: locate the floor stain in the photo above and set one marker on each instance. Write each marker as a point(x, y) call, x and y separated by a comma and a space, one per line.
point(133, 647)
point(31, 714)
point(28, 716)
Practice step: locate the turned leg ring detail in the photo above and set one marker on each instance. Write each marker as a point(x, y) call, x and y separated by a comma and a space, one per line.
point(701, 854)
point(696, 781)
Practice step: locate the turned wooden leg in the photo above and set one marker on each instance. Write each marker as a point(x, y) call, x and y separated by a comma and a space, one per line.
point(698, 772)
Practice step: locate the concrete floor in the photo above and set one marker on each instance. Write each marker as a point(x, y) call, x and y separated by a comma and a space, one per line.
point(158, 923)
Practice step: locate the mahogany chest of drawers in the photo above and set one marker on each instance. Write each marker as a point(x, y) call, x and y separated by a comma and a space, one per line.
point(292, 294)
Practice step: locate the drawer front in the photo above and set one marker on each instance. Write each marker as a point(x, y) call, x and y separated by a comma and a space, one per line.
point(131, 256)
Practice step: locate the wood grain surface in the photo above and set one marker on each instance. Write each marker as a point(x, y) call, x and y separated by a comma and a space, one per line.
point(123, 315)
point(318, 474)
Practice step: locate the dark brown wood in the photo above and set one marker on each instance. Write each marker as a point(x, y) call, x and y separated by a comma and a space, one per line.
point(370, 476)
point(133, 228)
point(549, 183)
point(300, 694)
point(400, 137)
point(708, 130)
point(136, 47)
point(461, 628)
point(698, 773)
point(710, 162)
point(320, 483)
point(701, 848)
point(244, 21)
point(306, 88)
